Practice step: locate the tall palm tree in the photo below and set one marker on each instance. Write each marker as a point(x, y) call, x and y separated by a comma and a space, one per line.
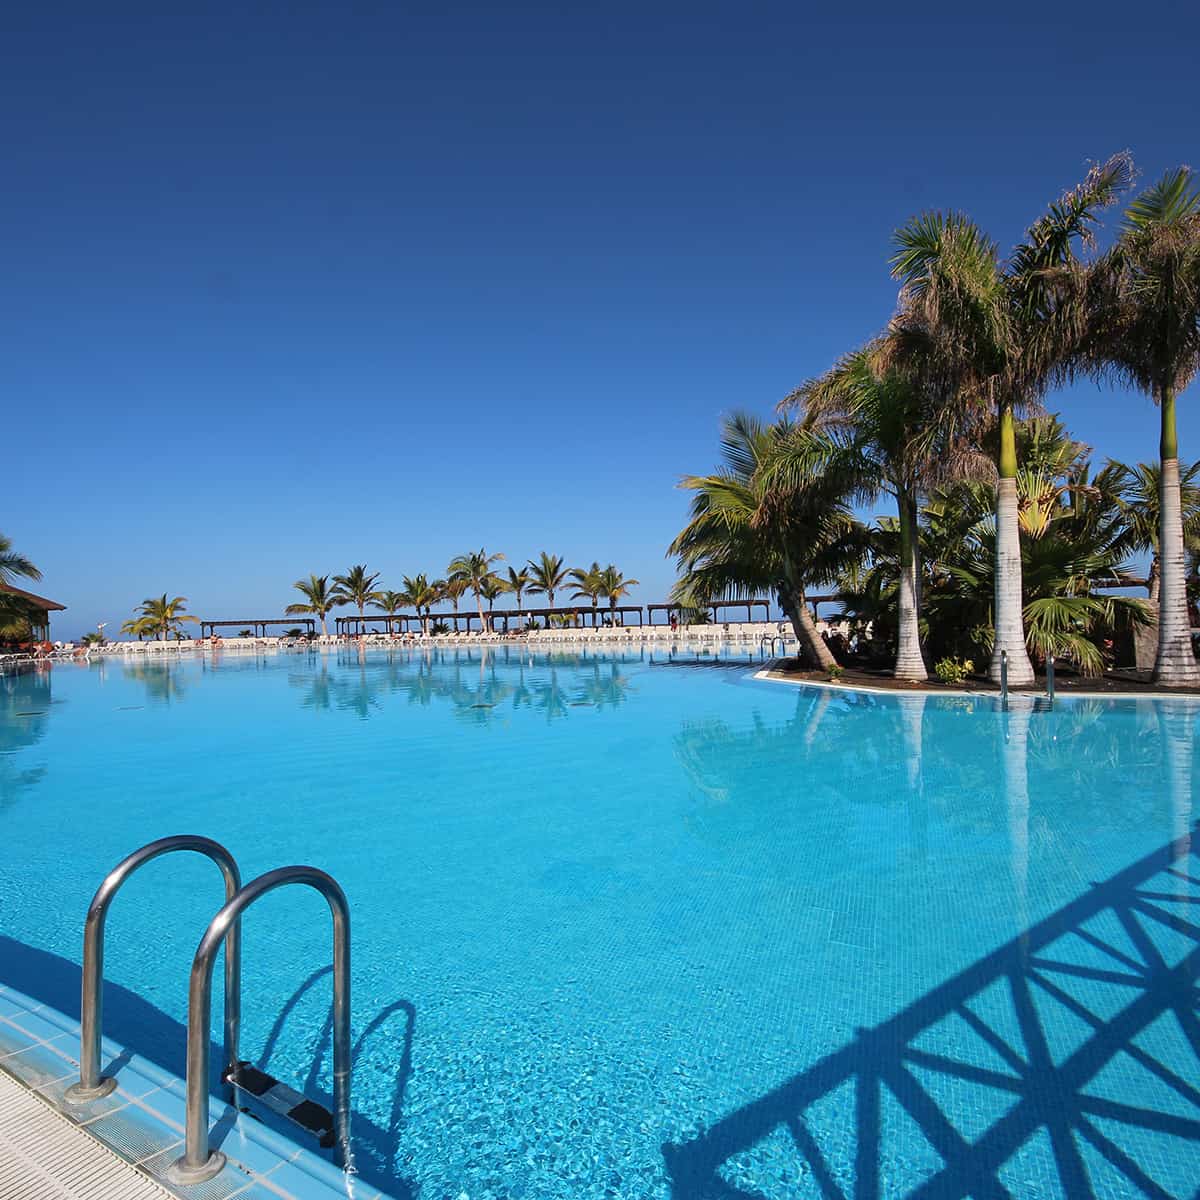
point(162, 617)
point(549, 574)
point(389, 602)
point(756, 527)
point(422, 595)
point(1147, 330)
point(452, 590)
point(904, 435)
point(356, 587)
point(473, 569)
point(319, 600)
point(1000, 333)
point(491, 587)
point(589, 585)
point(615, 586)
point(518, 582)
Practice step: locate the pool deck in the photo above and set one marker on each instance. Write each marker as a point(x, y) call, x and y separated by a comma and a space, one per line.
point(771, 673)
point(119, 1146)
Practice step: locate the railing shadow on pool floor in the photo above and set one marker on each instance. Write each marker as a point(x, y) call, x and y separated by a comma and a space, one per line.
point(1066, 1063)
point(136, 1024)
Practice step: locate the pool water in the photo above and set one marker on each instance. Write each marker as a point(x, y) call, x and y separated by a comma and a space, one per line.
point(626, 928)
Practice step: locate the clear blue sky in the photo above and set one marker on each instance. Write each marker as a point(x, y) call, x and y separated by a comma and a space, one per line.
point(292, 286)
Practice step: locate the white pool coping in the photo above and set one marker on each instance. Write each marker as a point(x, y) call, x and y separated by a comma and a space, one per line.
point(769, 674)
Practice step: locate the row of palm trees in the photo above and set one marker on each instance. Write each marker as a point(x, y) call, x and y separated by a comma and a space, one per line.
point(475, 572)
point(934, 404)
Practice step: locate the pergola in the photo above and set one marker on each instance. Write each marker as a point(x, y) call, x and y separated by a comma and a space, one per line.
point(583, 614)
point(257, 625)
point(749, 605)
point(714, 609)
point(354, 624)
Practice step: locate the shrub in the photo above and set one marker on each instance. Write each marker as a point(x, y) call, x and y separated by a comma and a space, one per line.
point(954, 670)
point(836, 672)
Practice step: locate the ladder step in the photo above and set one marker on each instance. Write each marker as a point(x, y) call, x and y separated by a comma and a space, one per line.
point(313, 1118)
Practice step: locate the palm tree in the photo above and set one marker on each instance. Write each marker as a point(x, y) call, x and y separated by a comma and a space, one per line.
point(492, 587)
point(389, 602)
point(137, 627)
point(615, 586)
point(1147, 330)
point(473, 569)
point(756, 526)
point(319, 600)
point(518, 582)
point(356, 587)
point(14, 610)
point(904, 436)
point(549, 573)
point(1140, 488)
point(422, 595)
point(589, 584)
point(1075, 545)
point(999, 333)
point(13, 564)
point(162, 617)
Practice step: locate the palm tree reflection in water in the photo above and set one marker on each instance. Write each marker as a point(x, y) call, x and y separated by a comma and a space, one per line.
point(480, 686)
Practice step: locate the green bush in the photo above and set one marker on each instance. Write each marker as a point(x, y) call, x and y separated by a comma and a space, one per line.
point(836, 672)
point(954, 670)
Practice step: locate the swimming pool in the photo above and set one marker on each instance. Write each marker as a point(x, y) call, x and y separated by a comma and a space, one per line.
point(624, 928)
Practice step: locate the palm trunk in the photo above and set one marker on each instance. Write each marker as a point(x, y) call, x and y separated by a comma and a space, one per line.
point(324, 627)
point(806, 631)
point(1174, 664)
point(479, 605)
point(910, 663)
point(1007, 614)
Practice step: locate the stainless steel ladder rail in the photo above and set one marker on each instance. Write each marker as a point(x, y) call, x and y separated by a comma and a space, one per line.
point(92, 1085)
point(199, 1161)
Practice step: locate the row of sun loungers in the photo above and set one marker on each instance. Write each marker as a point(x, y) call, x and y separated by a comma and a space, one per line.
point(620, 635)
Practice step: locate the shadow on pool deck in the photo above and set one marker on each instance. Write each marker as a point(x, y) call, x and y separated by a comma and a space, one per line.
point(984, 1078)
point(143, 1029)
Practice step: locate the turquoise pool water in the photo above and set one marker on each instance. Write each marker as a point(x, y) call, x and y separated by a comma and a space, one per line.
point(629, 929)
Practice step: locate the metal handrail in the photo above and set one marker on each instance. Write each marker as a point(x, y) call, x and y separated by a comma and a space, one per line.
point(92, 1084)
point(199, 1162)
point(1004, 679)
point(1050, 678)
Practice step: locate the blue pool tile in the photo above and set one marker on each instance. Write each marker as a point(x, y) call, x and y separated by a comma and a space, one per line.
point(37, 1027)
point(227, 1182)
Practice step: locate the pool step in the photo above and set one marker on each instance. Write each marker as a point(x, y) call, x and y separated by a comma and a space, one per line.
point(307, 1115)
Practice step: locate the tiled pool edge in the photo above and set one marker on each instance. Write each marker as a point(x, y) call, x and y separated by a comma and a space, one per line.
point(142, 1121)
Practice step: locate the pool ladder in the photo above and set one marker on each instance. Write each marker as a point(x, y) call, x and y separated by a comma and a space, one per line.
point(200, 1162)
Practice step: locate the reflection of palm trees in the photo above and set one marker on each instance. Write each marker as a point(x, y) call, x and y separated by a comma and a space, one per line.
point(1014, 772)
point(24, 712)
point(603, 688)
point(1177, 723)
point(476, 683)
point(164, 682)
point(550, 697)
